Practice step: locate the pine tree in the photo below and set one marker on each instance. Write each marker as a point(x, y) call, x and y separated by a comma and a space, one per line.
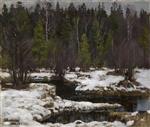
point(107, 49)
point(145, 44)
point(39, 45)
point(5, 18)
point(84, 53)
point(96, 41)
point(64, 42)
point(144, 37)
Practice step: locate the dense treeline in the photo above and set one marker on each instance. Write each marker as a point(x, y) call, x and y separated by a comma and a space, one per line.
point(60, 38)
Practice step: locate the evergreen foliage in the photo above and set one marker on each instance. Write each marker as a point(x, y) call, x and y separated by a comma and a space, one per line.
point(84, 53)
point(61, 38)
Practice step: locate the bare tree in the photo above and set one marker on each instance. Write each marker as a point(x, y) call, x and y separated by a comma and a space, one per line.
point(20, 57)
point(130, 54)
point(47, 6)
point(17, 43)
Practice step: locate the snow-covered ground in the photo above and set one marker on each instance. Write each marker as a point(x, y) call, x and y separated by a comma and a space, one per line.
point(143, 76)
point(30, 106)
point(98, 80)
point(67, 105)
point(77, 123)
point(93, 80)
point(4, 74)
point(24, 106)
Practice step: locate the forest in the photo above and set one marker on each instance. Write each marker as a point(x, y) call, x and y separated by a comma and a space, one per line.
point(64, 38)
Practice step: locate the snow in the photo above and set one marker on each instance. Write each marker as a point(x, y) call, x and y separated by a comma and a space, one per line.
point(77, 69)
point(71, 76)
point(25, 105)
point(77, 123)
point(148, 111)
point(143, 76)
point(4, 74)
point(91, 124)
point(130, 123)
point(41, 75)
point(93, 80)
point(83, 106)
point(96, 80)
point(134, 113)
point(30, 124)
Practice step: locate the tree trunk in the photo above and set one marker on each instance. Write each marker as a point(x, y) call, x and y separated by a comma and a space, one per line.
point(46, 22)
point(130, 74)
point(77, 31)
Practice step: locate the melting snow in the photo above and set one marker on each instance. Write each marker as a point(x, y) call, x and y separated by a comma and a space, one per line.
point(94, 79)
point(143, 77)
point(36, 103)
point(84, 106)
point(24, 106)
point(130, 123)
point(91, 124)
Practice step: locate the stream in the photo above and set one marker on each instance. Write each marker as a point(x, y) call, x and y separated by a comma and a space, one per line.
point(130, 104)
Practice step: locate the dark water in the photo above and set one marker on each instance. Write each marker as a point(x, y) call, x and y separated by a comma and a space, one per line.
point(64, 90)
point(143, 104)
point(67, 117)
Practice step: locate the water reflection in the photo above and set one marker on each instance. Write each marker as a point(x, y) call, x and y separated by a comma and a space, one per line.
point(143, 104)
point(67, 117)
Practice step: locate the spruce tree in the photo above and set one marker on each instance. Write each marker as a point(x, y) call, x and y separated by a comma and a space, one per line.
point(96, 42)
point(84, 53)
point(144, 36)
point(39, 45)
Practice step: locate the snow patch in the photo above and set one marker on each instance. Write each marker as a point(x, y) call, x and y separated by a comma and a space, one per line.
point(134, 113)
point(91, 124)
point(148, 111)
point(4, 74)
point(83, 106)
point(93, 80)
point(143, 76)
point(130, 123)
